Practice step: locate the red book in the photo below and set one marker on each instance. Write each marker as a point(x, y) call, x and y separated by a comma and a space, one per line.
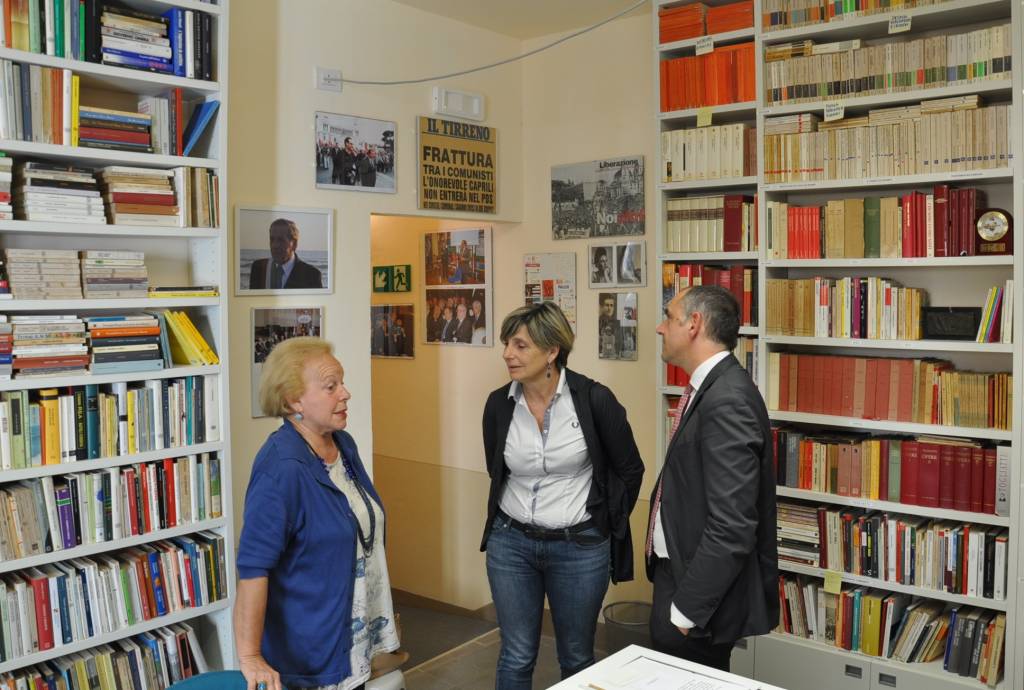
point(5, 197)
point(988, 504)
point(843, 476)
point(47, 362)
point(907, 208)
point(41, 594)
point(905, 410)
point(143, 198)
point(947, 474)
point(805, 381)
point(144, 475)
point(848, 382)
point(976, 496)
point(921, 229)
point(732, 221)
point(941, 197)
point(103, 134)
point(148, 605)
point(909, 455)
point(928, 475)
point(875, 397)
point(170, 508)
point(856, 469)
point(179, 119)
point(818, 403)
point(954, 222)
point(784, 381)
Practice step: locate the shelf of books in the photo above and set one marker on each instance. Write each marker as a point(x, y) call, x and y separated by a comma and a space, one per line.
point(116, 526)
point(862, 215)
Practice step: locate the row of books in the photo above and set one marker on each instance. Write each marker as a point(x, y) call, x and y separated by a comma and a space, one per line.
point(923, 391)
point(740, 280)
point(51, 426)
point(149, 661)
point(803, 71)
point(895, 626)
point(875, 308)
point(930, 471)
point(44, 105)
point(958, 558)
point(725, 75)
point(709, 153)
point(177, 42)
point(72, 601)
point(784, 14)
point(6, 179)
point(915, 224)
point(58, 513)
point(120, 195)
point(917, 143)
point(996, 325)
point(745, 353)
point(721, 223)
point(68, 274)
point(697, 19)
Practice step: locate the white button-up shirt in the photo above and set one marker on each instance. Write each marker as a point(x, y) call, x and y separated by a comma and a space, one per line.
point(549, 470)
point(658, 543)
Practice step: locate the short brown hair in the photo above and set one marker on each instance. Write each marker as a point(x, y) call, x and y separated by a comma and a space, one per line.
point(293, 229)
point(282, 378)
point(547, 326)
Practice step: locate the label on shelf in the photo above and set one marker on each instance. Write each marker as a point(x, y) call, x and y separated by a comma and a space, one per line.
point(703, 117)
point(966, 173)
point(899, 23)
point(834, 110)
point(705, 44)
point(833, 582)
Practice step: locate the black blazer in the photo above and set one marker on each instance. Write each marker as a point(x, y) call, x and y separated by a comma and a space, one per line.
point(618, 468)
point(718, 509)
point(303, 276)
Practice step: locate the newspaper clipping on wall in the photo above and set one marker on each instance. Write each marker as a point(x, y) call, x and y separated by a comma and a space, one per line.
point(552, 278)
point(598, 199)
point(458, 166)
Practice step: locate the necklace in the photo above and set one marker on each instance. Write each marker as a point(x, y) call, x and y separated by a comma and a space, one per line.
point(365, 541)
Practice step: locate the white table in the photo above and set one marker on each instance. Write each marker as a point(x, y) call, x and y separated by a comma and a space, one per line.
point(639, 668)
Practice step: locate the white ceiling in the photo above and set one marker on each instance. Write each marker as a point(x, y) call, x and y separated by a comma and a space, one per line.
point(524, 19)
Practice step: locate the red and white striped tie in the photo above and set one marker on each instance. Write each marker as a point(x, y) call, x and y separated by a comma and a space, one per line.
point(684, 400)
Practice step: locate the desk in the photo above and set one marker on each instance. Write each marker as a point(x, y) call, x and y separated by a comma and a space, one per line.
point(639, 668)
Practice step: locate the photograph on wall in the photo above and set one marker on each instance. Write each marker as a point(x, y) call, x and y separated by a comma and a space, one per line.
point(618, 264)
point(602, 265)
point(272, 326)
point(459, 257)
point(356, 154)
point(598, 199)
point(458, 166)
point(391, 330)
point(617, 325)
point(458, 316)
point(551, 278)
point(283, 251)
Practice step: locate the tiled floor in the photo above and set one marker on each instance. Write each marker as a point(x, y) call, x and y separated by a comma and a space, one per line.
point(427, 634)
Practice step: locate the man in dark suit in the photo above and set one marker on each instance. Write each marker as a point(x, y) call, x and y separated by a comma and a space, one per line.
point(283, 270)
point(461, 329)
point(711, 550)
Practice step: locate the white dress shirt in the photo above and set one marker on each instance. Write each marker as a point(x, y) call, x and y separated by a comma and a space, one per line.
point(287, 266)
point(658, 543)
point(549, 470)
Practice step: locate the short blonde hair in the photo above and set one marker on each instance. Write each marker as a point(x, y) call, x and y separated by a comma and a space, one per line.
point(282, 378)
point(547, 326)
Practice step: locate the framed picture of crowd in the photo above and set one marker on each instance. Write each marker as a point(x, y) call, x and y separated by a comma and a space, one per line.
point(391, 330)
point(271, 326)
point(355, 154)
point(457, 271)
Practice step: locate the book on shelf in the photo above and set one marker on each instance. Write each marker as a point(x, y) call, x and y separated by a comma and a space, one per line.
point(803, 71)
point(740, 280)
point(721, 223)
point(108, 504)
point(915, 224)
point(745, 353)
point(723, 76)
point(202, 114)
point(921, 391)
point(188, 346)
point(785, 14)
point(996, 324)
point(874, 308)
point(709, 153)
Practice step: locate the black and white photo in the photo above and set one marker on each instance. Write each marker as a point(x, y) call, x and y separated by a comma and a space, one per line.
point(598, 199)
point(617, 325)
point(271, 327)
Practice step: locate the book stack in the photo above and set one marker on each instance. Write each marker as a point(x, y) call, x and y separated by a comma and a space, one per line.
point(6, 173)
point(56, 193)
point(178, 291)
point(49, 345)
point(187, 344)
point(731, 17)
point(6, 350)
point(139, 196)
point(110, 274)
point(44, 273)
point(679, 23)
point(797, 534)
point(119, 130)
point(130, 38)
point(125, 342)
point(709, 153)
point(725, 75)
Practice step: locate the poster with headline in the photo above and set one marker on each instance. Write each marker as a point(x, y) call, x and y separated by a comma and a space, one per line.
point(457, 166)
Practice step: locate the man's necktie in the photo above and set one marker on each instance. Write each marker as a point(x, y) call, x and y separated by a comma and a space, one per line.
point(276, 277)
point(684, 400)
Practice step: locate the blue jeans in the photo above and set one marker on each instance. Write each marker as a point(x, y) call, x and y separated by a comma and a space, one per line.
point(521, 570)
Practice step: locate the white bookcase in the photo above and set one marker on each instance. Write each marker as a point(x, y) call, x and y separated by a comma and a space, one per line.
point(786, 660)
point(174, 256)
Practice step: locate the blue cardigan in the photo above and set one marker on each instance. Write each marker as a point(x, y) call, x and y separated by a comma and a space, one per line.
point(299, 532)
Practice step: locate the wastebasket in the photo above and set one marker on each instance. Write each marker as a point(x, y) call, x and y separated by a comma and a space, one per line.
point(626, 623)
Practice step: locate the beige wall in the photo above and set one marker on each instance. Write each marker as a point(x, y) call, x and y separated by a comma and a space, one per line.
point(590, 98)
point(275, 45)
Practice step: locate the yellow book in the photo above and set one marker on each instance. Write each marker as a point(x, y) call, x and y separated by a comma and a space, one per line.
point(50, 429)
point(181, 348)
point(75, 92)
point(876, 449)
point(204, 348)
point(871, 621)
point(132, 399)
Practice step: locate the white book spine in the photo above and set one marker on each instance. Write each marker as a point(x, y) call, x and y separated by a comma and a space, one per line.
point(55, 619)
point(211, 406)
point(1004, 456)
point(117, 529)
point(66, 114)
point(51, 513)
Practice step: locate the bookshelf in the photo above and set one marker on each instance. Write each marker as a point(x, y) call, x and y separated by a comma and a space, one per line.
point(174, 256)
point(788, 660)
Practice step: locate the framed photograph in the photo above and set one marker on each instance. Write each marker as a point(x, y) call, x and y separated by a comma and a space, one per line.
point(283, 251)
point(270, 326)
point(353, 153)
point(617, 326)
point(551, 278)
point(459, 257)
point(458, 316)
point(618, 264)
point(602, 265)
point(598, 199)
point(391, 330)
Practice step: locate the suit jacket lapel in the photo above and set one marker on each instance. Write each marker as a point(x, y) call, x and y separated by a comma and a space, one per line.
point(705, 385)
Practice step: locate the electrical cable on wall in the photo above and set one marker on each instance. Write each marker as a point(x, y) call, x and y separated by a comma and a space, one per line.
point(460, 73)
